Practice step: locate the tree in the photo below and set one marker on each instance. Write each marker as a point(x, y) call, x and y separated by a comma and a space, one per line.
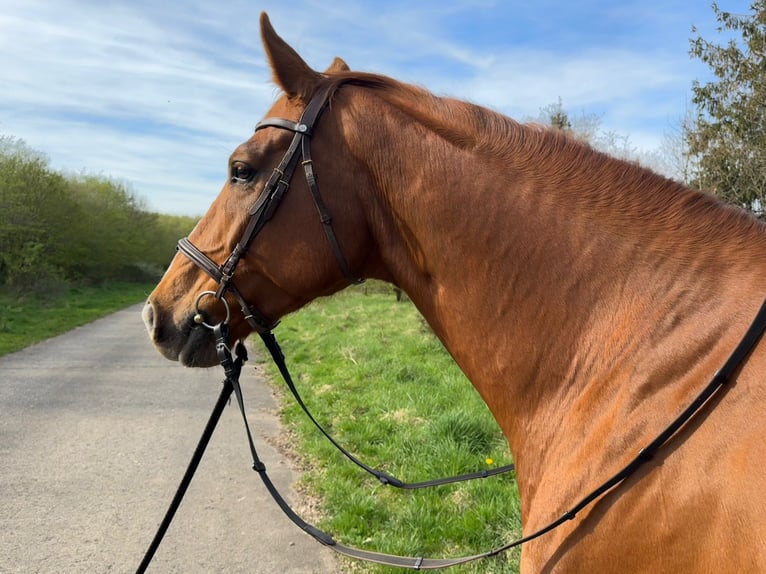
point(587, 127)
point(57, 228)
point(32, 197)
point(727, 138)
point(556, 116)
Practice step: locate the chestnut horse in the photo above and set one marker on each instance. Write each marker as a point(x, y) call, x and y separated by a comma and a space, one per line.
point(587, 299)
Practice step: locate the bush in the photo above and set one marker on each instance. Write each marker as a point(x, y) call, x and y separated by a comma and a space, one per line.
point(58, 229)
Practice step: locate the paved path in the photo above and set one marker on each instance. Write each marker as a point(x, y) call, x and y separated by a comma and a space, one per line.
point(96, 429)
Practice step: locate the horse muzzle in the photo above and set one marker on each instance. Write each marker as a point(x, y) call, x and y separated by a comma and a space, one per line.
point(189, 341)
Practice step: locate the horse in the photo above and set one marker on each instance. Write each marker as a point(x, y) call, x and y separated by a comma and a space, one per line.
point(586, 298)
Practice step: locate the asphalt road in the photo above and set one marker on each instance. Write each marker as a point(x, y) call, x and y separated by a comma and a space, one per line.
point(96, 430)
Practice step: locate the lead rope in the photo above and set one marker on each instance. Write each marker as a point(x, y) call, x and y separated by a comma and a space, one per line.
point(233, 365)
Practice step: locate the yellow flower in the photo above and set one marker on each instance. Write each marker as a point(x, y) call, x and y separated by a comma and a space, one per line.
point(489, 461)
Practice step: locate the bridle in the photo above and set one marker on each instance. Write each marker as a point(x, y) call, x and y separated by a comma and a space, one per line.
point(232, 362)
point(263, 210)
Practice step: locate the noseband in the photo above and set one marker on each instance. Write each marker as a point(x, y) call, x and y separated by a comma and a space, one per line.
point(265, 207)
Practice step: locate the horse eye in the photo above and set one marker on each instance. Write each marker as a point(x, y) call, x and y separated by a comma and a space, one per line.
point(241, 172)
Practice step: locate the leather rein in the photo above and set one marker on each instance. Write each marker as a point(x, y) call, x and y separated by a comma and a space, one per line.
point(232, 361)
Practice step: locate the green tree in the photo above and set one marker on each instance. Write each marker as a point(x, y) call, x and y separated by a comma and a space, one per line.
point(557, 117)
point(56, 228)
point(108, 234)
point(727, 137)
point(32, 200)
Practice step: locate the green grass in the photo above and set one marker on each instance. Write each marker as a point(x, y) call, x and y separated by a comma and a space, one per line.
point(28, 319)
point(379, 381)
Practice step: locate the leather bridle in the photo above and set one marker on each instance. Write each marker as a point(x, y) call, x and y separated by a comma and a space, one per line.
point(265, 207)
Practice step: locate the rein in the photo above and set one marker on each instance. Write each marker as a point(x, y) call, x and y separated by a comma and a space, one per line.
point(270, 341)
point(232, 364)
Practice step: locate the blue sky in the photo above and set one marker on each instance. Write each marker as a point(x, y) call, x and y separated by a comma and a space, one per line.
point(158, 94)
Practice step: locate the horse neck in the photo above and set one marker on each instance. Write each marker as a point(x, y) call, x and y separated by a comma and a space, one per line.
point(553, 285)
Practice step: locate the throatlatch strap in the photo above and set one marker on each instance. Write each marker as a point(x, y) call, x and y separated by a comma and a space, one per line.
point(324, 214)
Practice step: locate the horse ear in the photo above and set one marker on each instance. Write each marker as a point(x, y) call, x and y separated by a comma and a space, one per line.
point(290, 72)
point(337, 66)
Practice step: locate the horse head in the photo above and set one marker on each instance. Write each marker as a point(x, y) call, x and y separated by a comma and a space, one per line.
point(284, 259)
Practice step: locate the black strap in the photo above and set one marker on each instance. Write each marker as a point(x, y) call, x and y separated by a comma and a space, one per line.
point(324, 214)
point(298, 127)
point(207, 433)
point(721, 377)
point(199, 258)
point(279, 360)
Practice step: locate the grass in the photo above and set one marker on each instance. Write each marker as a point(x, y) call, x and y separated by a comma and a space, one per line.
point(28, 319)
point(379, 381)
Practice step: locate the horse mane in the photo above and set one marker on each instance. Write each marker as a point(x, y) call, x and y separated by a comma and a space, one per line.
point(475, 128)
point(595, 174)
point(465, 125)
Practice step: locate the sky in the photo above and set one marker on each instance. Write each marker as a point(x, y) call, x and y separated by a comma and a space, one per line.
point(157, 94)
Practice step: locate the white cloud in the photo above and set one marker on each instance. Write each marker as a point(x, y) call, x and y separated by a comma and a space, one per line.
point(110, 90)
point(159, 94)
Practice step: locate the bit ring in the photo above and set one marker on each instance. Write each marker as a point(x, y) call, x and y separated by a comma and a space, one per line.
point(199, 318)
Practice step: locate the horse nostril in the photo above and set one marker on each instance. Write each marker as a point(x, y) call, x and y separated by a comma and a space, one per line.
point(148, 316)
